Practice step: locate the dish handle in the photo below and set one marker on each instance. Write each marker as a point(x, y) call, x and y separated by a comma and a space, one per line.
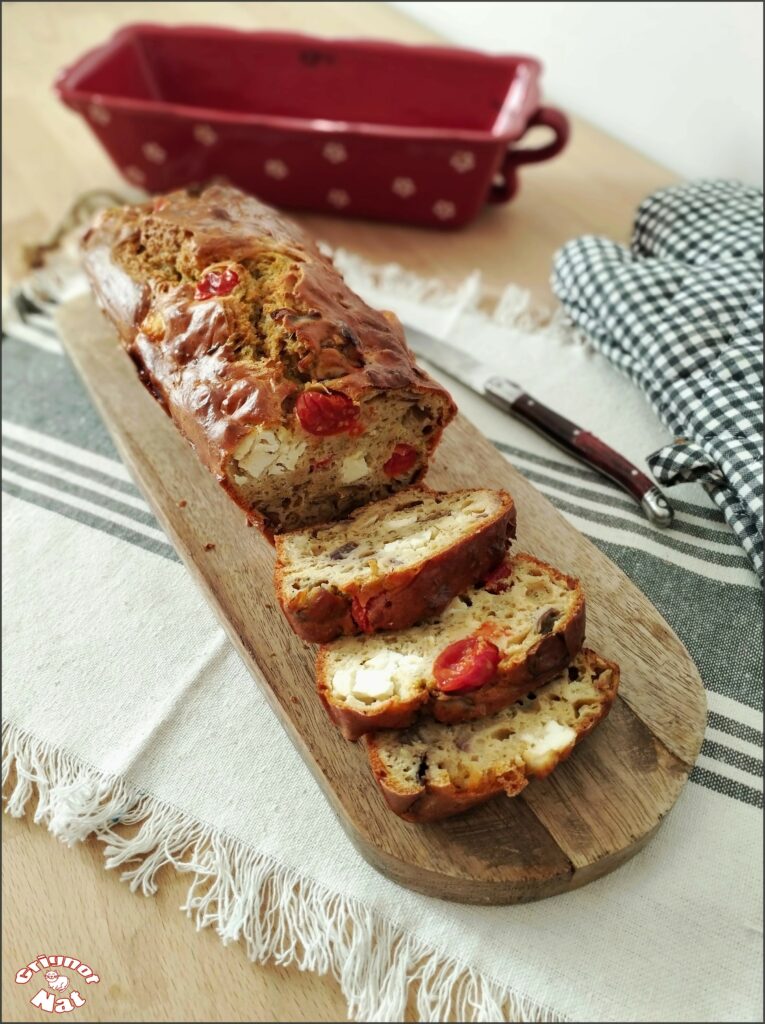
point(549, 117)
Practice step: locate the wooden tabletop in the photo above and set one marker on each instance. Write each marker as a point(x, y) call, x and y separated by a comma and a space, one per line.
point(155, 966)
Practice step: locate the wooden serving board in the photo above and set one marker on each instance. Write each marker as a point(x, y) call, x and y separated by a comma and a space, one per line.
point(591, 815)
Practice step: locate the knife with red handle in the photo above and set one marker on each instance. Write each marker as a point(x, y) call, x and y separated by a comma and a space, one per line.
point(511, 398)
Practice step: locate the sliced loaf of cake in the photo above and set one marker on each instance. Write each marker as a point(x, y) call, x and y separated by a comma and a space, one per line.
point(390, 564)
point(490, 645)
point(432, 770)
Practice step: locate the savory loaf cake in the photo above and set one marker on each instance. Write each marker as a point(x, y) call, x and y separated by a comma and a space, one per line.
point(302, 400)
point(391, 564)
point(432, 771)
point(490, 645)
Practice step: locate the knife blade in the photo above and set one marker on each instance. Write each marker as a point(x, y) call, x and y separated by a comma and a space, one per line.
point(511, 398)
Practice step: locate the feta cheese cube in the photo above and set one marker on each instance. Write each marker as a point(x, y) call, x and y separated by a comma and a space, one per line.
point(552, 739)
point(354, 468)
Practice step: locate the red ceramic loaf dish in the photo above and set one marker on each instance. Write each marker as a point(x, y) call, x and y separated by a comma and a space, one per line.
point(414, 134)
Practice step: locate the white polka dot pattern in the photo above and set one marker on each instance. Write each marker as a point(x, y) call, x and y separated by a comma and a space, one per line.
point(462, 161)
point(154, 153)
point(335, 152)
point(444, 209)
point(338, 198)
point(134, 174)
point(276, 169)
point(205, 134)
point(403, 187)
point(99, 114)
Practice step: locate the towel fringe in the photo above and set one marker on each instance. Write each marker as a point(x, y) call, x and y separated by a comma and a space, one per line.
point(245, 895)
point(516, 308)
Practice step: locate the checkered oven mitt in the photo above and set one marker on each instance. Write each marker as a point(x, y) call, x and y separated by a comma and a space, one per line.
point(680, 312)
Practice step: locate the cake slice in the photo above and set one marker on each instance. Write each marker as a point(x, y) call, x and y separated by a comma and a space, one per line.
point(390, 564)
point(433, 771)
point(491, 645)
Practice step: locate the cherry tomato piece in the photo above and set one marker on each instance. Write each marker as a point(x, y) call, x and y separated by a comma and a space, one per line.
point(401, 461)
point(216, 282)
point(497, 580)
point(466, 665)
point(359, 614)
point(322, 605)
point(324, 413)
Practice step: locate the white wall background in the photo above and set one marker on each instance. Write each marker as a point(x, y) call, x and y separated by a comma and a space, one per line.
point(682, 82)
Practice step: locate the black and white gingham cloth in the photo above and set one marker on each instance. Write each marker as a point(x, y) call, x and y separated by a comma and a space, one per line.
point(680, 312)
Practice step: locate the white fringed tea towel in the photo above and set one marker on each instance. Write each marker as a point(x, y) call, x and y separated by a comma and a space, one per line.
point(115, 669)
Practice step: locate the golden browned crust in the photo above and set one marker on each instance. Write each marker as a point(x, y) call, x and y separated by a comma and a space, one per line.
point(354, 724)
point(514, 678)
point(402, 597)
point(221, 368)
point(427, 802)
point(442, 801)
